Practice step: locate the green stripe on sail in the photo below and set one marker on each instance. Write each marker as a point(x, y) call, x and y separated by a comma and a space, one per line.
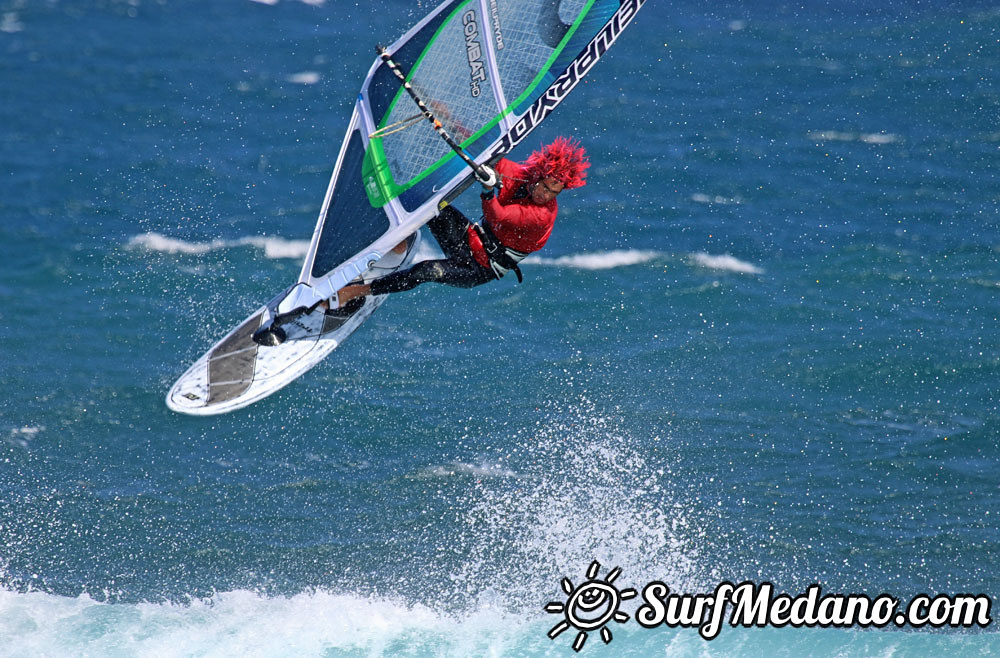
point(379, 183)
point(416, 65)
point(376, 176)
point(551, 60)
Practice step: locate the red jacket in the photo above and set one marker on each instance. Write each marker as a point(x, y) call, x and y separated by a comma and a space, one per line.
point(517, 222)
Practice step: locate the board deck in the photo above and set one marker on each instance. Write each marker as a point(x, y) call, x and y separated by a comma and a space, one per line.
point(237, 372)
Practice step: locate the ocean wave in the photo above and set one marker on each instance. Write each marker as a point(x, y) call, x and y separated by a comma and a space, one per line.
point(247, 623)
point(867, 138)
point(725, 262)
point(273, 247)
point(326, 624)
point(605, 260)
point(985, 283)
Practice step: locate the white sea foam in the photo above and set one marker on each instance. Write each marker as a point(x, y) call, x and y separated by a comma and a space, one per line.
point(717, 199)
point(867, 138)
point(11, 23)
point(21, 436)
point(985, 283)
point(725, 262)
point(278, 247)
point(243, 623)
point(273, 247)
point(304, 78)
point(604, 260)
point(879, 138)
point(157, 242)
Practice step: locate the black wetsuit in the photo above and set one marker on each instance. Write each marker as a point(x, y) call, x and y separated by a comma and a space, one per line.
point(459, 268)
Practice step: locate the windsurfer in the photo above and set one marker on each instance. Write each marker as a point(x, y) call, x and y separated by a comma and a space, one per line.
point(517, 220)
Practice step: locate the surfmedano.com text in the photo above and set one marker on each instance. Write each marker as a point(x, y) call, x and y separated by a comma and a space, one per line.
point(757, 605)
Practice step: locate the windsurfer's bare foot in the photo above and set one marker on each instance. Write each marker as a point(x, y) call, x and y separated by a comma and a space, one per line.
point(347, 293)
point(400, 248)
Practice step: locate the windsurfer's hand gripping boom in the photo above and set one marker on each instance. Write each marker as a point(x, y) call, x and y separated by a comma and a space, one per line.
point(487, 176)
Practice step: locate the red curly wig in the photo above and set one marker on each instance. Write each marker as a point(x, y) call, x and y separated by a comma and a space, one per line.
point(564, 159)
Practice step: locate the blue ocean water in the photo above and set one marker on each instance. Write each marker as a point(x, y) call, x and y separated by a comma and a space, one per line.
point(762, 343)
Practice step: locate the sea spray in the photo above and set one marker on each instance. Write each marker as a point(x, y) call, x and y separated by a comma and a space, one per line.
point(585, 490)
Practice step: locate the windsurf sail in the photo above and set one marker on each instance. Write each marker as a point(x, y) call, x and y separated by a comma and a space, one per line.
point(490, 71)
